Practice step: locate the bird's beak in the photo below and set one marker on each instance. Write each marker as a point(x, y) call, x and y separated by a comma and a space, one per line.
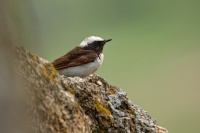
point(108, 40)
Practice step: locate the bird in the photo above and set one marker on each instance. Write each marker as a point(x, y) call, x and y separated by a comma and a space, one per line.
point(83, 60)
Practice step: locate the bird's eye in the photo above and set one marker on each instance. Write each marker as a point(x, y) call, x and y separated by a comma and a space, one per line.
point(95, 43)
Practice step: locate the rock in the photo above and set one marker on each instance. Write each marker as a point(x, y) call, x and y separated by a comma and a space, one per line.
point(77, 105)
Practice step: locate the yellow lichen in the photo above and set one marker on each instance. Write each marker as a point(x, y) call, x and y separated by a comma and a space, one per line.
point(70, 89)
point(132, 110)
point(34, 56)
point(49, 71)
point(52, 76)
point(37, 64)
point(132, 116)
point(101, 108)
point(52, 67)
point(111, 92)
point(49, 66)
point(44, 71)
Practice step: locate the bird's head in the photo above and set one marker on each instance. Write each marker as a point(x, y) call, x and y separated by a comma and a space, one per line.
point(94, 43)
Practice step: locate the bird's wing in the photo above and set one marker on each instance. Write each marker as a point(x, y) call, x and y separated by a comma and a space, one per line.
point(75, 57)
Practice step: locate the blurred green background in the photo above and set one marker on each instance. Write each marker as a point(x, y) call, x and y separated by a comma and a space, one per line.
point(154, 55)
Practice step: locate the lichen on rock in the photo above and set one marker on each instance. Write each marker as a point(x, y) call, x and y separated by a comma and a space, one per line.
point(109, 107)
point(78, 105)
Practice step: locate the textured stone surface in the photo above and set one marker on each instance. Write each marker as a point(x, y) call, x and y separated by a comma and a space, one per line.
point(78, 105)
point(109, 107)
point(52, 108)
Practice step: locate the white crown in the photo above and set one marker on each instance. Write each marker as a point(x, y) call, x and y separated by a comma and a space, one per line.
point(89, 40)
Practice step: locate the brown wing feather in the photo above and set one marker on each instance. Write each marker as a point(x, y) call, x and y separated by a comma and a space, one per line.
point(75, 57)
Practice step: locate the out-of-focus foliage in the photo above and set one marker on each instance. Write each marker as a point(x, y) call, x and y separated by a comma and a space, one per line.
point(155, 47)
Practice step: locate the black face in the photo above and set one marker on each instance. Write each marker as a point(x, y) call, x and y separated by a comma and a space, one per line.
point(98, 45)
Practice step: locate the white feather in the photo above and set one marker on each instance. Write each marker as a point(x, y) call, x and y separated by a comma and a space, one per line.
point(89, 40)
point(83, 70)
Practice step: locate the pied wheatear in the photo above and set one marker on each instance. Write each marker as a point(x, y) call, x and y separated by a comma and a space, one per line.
point(84, 59)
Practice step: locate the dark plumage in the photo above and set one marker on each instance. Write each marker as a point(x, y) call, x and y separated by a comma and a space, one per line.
point(83, 60)
point(75, 57)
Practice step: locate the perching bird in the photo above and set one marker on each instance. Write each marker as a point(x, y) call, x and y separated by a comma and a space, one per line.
point(83, 60)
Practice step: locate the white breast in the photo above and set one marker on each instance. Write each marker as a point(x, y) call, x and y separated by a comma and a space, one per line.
point(83, 70)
